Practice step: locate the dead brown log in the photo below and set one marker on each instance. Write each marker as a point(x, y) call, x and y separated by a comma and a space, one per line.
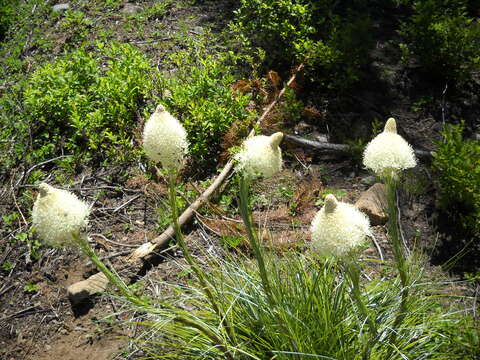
point(328, 148)
point(149, 248)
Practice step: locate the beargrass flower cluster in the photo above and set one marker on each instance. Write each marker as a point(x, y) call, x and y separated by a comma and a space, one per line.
point(165, 140)
point(388, 153)
point(57, 214)
point(260, 156)
point(338, 228)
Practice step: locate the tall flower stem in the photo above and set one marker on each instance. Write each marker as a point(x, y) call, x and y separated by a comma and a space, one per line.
point(178, 316)
point(398, 252)
point(188, 256)
point(353, 272)
point(246, 214)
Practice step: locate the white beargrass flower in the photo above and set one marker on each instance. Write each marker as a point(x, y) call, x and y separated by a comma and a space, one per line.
point(338, 228)
point(388, 153)
point(57, 214)
point(165, 140)
point(260, 156)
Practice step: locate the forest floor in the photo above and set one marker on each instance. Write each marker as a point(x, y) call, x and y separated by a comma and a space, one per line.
point(37, 321)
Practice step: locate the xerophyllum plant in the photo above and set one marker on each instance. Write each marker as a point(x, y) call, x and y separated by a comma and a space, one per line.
point(259, 156)
point(57, 215)
point(165, 140)
point(388, 153)
point(338, 228)
point(60, 218)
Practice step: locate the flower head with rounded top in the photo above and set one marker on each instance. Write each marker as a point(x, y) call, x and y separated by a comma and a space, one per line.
point(57, 214)
point(338, 228)
point(388, 152)
point(165, 139)
point(260, 156)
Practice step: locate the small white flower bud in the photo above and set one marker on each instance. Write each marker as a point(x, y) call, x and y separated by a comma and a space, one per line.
point(338, 228)
point(388, 152)
point(57, 214)
point(165, 140)
point(260, 156)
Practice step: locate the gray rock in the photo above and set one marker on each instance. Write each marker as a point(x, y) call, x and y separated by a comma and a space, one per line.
point(61, 7)
point(368, 180)
point(83, 289)
point(131, 9)
point(373, 202)
point(302, 128)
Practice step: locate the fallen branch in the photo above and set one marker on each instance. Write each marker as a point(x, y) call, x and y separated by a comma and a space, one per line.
point(81, 292)
point(328, 148)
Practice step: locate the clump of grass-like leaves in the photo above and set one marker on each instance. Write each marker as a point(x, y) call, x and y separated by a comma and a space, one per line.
point(313, 316)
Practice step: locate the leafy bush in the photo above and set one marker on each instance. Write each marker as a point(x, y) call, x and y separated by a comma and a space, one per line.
point(333, 35)
point(7, 12)
point(87, 102)
point(458, 168)
point(444, 38)
point(200, 94)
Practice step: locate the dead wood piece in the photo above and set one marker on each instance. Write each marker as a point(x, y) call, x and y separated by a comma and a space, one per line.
point(328, 148)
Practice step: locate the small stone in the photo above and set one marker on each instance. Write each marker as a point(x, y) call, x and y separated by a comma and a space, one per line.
point(369, 180)
point(61, 7)
point(83, 289)
point(302, 128)
point(476, 136)
point(373, 202)
point(131, 9)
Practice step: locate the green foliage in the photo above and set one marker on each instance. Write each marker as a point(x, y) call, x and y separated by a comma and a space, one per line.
point(444, 39)
point(7, 15)
point(312, 316)
point(456, 162)
point(332, 36)
point(30, 288)
point(86, 102)
point(199, 94)
point(77, 25)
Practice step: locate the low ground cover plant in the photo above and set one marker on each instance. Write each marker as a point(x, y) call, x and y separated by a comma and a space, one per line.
point(87, 101)
point(331, 37)
point(444, 37)
point(456, 162)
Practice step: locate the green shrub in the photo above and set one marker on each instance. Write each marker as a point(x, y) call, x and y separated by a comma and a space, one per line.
point(7, 14)
point(200, 95)
point(457, 164)
point(333, 35)
point(444, 39)
point(86, 103)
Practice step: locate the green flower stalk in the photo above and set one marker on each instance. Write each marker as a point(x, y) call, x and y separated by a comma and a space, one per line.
point(387, 155)
point(339, 230)
point(260, 156)
point(165, 141)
